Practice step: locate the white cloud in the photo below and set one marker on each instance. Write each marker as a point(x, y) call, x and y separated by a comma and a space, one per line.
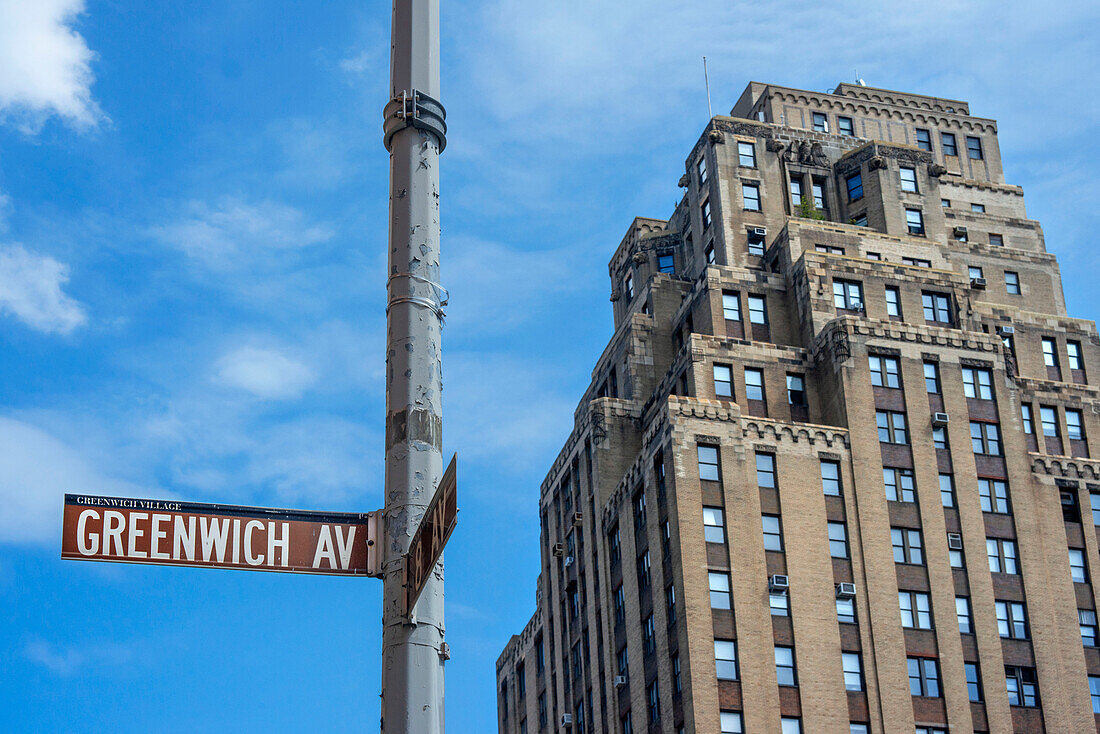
point(31, 290)
point(65, 661)
point(36, 471)
point(265, 373)
point(45, 65)
point(236, 234)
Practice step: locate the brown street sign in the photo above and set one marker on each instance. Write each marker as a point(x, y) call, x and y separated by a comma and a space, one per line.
point(219, 536)
point(435, 528)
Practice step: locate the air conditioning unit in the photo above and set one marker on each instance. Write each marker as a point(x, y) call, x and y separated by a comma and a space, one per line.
point(578, 517)
point(760, 231)
point(940, 420)
point(960, 231)
point(620, 681)
point(845, 590)
point(558, 549)
point(1006, 330)
point(858, 307)
point(568, 561)
point(778, 583)
point(954, 541)
point(567, 720)
point(978, 283)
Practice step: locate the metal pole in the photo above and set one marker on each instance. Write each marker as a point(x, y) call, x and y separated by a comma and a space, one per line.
point(413, 650)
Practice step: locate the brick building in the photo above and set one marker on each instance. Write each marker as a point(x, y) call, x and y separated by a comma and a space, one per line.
point(832, 472)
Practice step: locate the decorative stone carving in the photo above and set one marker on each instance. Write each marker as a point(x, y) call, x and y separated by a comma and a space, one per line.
point(876, 163)
point(715, 137)
point(936, 170)
point(640, 257)
point(683, 182)
point(773, 145)
point(614, 296)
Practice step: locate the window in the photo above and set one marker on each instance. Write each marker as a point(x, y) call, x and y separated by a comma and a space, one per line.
point(873, 255)
point(830, 478)
point(821, 122)
point(1029, 422)
point(755, 242)
point(947, 490)
point(891, 427)
point(773, 533)
point(1011, 620)
point(857, 728)
point(758, 311)
point(838, 540)
point(845, 126)
point(985, 438)
point(665, 264)
point(1073, 349)
point(1012, 283)
point(677, 683)
point(936, 307)
point(620, 605)
point(751, 194)
point(848, 295)
point(1094, 503)
point(731, 722)
point(614, 549)
point(1002, 555)
point(974, 273)
point(977, 208)
point(719, 589)
point(705, 211)
point(790, 725)
point(746, 154)
point(954, 550)
point(884, 371)
point(643, 571)
point(859, 220)
point(1050, 355)
point(915, 610)
point(623, 661)
point(846, 611)
point(796, 390)
point(701, 169)
point(924, 677)
point(779, 604)
point(714, 525)
point(639, 511)
point(1094, 690)
point(945, 203)
point(947, 142)
point(907, 546)
point(962, 611)
point(977, 383)
point(708, 253)
point(973, 682)
point(1077, 568)
point(784, 666)
point(649, 639)
point(542, 711)
point(1022, 685)
point(893, 301)
point(914, 221)
point(628, 287)
point(708, 462)
point(1074, 427)
point(908, 179)
point(993, 494)
point(796, 192)
point(731, 306)
point(996, 240)
point(924, 139)
point(725, 659)
point(723, 381)
point(754, 384)
point(855, 187)
point(900, 486)
point(819, 200)
point(1086, 619)
point(1048, 418)
point(939, 437)
point(853, 671)
point(974, 147)
point(916, 262)
point(628, 723)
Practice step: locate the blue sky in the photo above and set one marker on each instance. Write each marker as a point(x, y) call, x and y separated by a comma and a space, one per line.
point(192, 249)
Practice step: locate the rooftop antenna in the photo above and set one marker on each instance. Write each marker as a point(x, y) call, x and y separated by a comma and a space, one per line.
point(706, 80)
point(859, 80)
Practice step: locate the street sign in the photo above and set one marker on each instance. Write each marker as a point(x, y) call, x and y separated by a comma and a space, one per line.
point(435, 528)
point(219, 536)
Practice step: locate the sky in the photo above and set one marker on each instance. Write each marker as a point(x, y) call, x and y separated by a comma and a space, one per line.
point(192, 275)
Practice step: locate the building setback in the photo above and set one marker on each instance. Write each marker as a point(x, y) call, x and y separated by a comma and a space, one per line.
point(832, 472)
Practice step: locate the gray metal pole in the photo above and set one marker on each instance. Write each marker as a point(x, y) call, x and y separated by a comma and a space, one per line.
point(413, 650)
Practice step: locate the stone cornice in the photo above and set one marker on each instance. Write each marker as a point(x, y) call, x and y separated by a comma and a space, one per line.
point(1065, 466)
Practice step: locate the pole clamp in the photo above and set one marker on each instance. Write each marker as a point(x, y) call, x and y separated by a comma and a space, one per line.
point(414, 109)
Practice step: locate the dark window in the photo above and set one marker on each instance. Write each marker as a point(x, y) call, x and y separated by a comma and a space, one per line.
point(620, 605)
point(701, 168)
point(614, 549)
point(639, 511)
point(654, 703)
point(924, 139)
point(755, 242)
point(855, 187)
point(796, 390)
point(974, 147)
point(996, 240)
point(947, 141)
point(1022, 685)
point(643, 571)
point(1012, 620)
point(708, 253)
point(973, 682)
point(705, 211)
point(649, 636)
point(665, 264)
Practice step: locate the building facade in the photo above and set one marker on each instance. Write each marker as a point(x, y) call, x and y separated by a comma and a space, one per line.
point(833, 471)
